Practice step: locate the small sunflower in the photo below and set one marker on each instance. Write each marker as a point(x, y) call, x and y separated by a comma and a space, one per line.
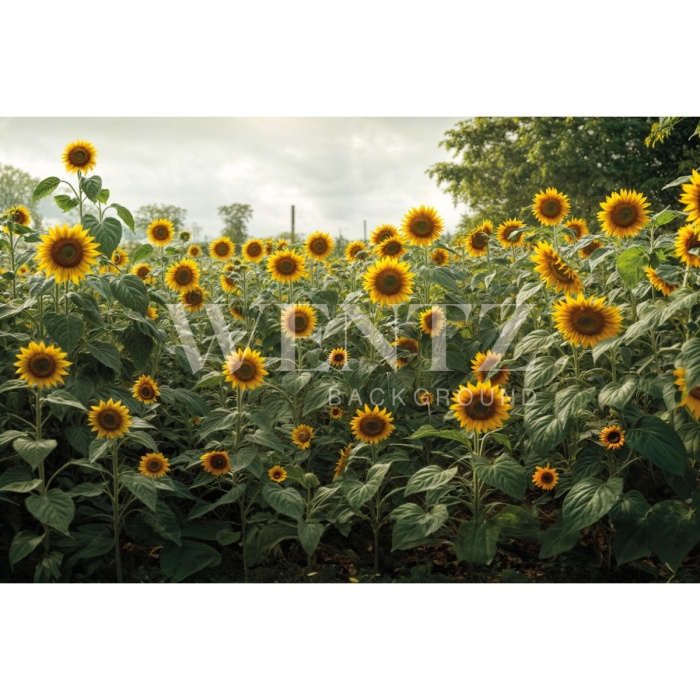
point(554, 271)
point(578, 228)
point(286, 266)
point(481, 406)
point(392, 247)
point(302, 435)
point(236, 309)
point(222, 248)
point(269, 246)
point(477, 242)
point(624, 214)
point(277, 474)
point(109, 419)
point(389, 281)
point(227, 284)
point(659, 284)
point(422, 225)
point(145, 390)
point(216, 463)
point(253, 250)
point(372, 425)
point(193, 299)
point(687, 246)
point(506, 235)
point(336, 412)
point(194, 251)
point(160, 232)
point(432, 321)
point(245, 369)
point(487, 367)
point(691, 197)
point(67, 253)
point(154, 464)
point(338, 357)
point(185, 236)
point(42, 365)
point(352, 249)
point(382, 232)
point(440, 257)
point(298, 321)
point(183, 276)
point(550, 207)
point(426, 398)
point(342, 462)
point(545, 478)
point(23, 269)
point(142, 270)
point(612, 437)
point(282, 244)
point(79, 157)
point(690, 398)
point(319, 245)
point(408, 345)
point(18, 215)
point(588, 250)
point(586, 321)
point(152, 313)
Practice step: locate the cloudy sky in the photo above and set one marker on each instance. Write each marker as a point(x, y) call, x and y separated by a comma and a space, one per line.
point(336, 171)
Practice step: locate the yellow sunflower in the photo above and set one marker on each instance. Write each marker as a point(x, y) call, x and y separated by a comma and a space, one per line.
point(269, 246)
point(408, 345)
point(319, 245)
point(109, 419)
point(154, 464)
point(286, 266)
point(194, 251)
point(372, 425)
point(282, 244)
point(183, 276)
point(18, 215)
point(506, 229)
point(352, 249)
point(690, 398)
point(152, 313)
point(119, 257)
point(216, 463)
point(481, 406)
point(586, 321)
point(487, 367)
point(160, 232)
point(338, 357)
point(426, 398)
point(477, 242)
point(253, 250)
point(42, 365)
point(298, 321)
point(302, 435)
point(142, 270)
point(578, 228)
point(422, 225)
point(624, 213)
point(659, 284)
point(554, 271)
point(79, 157)
point(550, 207)
point(588, 250)
point(227, 284)
point(440, 257)
point(612, 437)
point(277, 474)
point(389, 281)
point(392, 247)
point(236, 309)
point(342, 462)
point(66, 253)
point(193, 299)
point(382, 232)
point(245, 369)
point(687, 241)
point(23, 269)
point(222, 248)
point(691, 197)
point(545, 477)
point(335, 412)
point(145, 389)
point(432, 321)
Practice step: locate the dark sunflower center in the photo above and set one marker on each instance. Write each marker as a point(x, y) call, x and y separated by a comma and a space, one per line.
point(118, 259)
point(221, 249)
point(695, 393)
point(392, 248)
point(184, 275)
point(79, 156)
point(383, 235)
point(301, 323)
point(624, 215)
point(388, 282)
point(142, 272)
point(160, 233)
point(613, 437)
point(692, 242)
point(588, 323)
point(254, 250)
point(286, 266)
point(146, 392)
point(591, 247)
point(109, 420)
point(319, 246)
point(551, 207)
point(245, 371)
point(303, 436)
point(154, 466)
point(561, 271)
point(372, 426)
point(429, 319)
point(422, 228)
point(67, 252)
point(42, 366)
point(480, 239)
point(478, 410)
point(546, 477)
point(339, 358)
point(218, 462)
point(194, 298)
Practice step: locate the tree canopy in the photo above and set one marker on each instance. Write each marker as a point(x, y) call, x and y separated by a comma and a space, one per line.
point(145, 214)
point(236, 217)
point(17, 187)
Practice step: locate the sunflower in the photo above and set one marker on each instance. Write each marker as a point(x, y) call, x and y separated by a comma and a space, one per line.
point(282, 244)
point(545, 477)
point(587, 250)
point(23, 269)
point(286, 266)
point(690, 398)
point(488, 367)
point(245, 369)
point(352, 249)
point(691, 197)
point(659, 284)
point(298, 321)
point(216, 463)
point(183, 276)
point(119, 257)
point(372, 425)
point(612, 437)
point(269, 246)
point(392, 247)
point(688, 240)
point(481, 406)
point(193, 299)
point(382, 232)
point(18, 215)
point(586, 321)
point(67, 253)
point(160, 232)
point(422, 225)
point(152, 313)
point(301, 436)
point(338, 357)
point(194, 251)
point(222, 248)
point(42, 365)
point(335, 412)
point(624, 213)
point(409, 345)
point(389, 281)
point(185, 236)
point(432, 321)
point(506, 229)
point(236, 309)
point(154, 464)
point(253, 250)
point(109, 419)
point(578, 228)
point(426, 398)
point(277, 474)
point(550, 207)
point(142, 270)
point(440, 257)
point(554, 271)
point(79, 157)
point(477, 242)
point(319, 245)
point(342, 462)
point(227, 284)
point(145, 389)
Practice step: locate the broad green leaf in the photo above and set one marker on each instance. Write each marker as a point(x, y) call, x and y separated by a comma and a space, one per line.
point(130, 291)
point(231, 496)
point(542, 371)
point(570, 401)
point(428, 479)
point(456, 435)
point(49, 568)
point(141, 253)
point(179, 563)
point(557, 540)
point(588, 501)
point(630, 542)
point(357, 493)
point(65, 202)
point(504, 474)
point(65, 330)
point(284, 500)
point(477, 543)
point(219, 419)
point(590, 461)
point(103, 196)
point(545, 432)
point(23, 544)
point(192, 404)
point(91, 186)
point(631, 264)
point(106, 354)
point(413, 524)
point(60, 397)
point(10, 435)
point(537, 341)
point(630, 509)
point(125, 215)
point(108, 234)
point(45, 187)
point(33, 451)
point(55, 508)
point(142, 487)
point(310, 535)
point(618, 395)
point(656, 440)
point(21, 486)
point(673, 531)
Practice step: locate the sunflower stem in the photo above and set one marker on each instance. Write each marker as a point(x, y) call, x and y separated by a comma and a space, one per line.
point(115, 512)
point(42, 471)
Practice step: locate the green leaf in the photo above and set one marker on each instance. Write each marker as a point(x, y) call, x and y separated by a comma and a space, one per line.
point(310, 535)
point(17, 473)
point(630, 509)
point(45, 187)
point(141, 253)
point(673, 531)
point(10, 435)
point(557, 540)
point(130, 291)
point(23, 544)
point(49, 568)
point(536, 341)
point(504, 474)
point(55, 508)
point(60, 397)
point(140, 438)
point(545, 432)
point(357, 493)
point(666, 216)
point(590, 461)
point(179, 563)
point(542, 371)
point(125, 215)
point(630, 542)
point(65, 330)
point(631, 264)
point(21, 486)
point(429, 478)
point(476, 543)
point(33, 451)
point(103, 196)
point(91, 186)
point(656, 440)
point(413, 524)
point(284, 500)
point(105, 354)
point(570, 401)
point(231, 496)
point(317, 397)
point(65, 202)
point(190, 403)
point(165, 523)
point(689, 360)
point(456, 435)
point(108, 234)
point(618, 395)
point(588, 501)
point(142, 487)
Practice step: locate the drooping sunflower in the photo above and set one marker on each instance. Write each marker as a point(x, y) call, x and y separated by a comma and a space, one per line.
point(216, 463)
point(160, 232)
point(550, 207)
point(335, 412)
point(183, 276)
point(142, 270)
point(269, 246)
point(79, 157)
point(660, 285)
point(154, 464)
point(119, 257)
point(227, 284)
point(236, 309)
point(319, 245)
point(389, 281)
point(277, 474)
point(18, 214)
point(342, 462)
point(545, 478)
point(691, 197)
point(245, 369)
point(338, 357)
point(302, 436)
point(185, 236)
point(352, 249)
point(408, 345)
point(372, 425)
point(432, 321)
point(66, 253)
point(578, 228)
point(152, 313)
point(687, 240)
point(109, 419)
point(286, 266)
point(426, 398)
point(624, 214)
point(507, 229)
point(554, 271)
point(194, 251)
point(298, 321)
point(222, 248)
point(145, 389)
point(193, 299)
point(690, 397)
point(382, 232)
point(487, 367)
point(440, 257)
point(612, 437)
point(392, 247)
point(481, 406)
point(586, 321)
point(422, 225)
point(477, 242)
point(588, 250)
point(253, 250)
point(42, 365)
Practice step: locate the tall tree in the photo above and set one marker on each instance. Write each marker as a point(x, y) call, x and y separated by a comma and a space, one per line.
point(236, 217)
point(148, 212)
point(17, 187)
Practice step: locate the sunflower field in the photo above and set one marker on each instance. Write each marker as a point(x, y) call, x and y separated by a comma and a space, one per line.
point(520, 402)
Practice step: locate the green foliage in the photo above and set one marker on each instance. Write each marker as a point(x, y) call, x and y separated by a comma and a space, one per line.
point(236, 217)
